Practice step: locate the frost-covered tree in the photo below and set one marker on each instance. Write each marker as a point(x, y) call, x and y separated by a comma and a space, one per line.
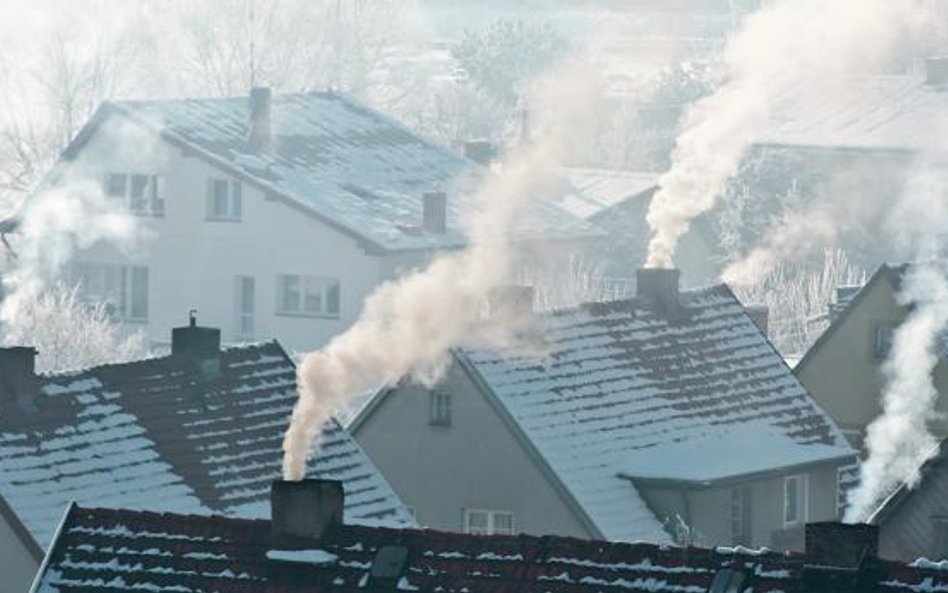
point(70, 333)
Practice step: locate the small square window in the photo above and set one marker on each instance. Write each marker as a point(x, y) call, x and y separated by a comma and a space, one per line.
point(224, 200)
point(883, 342)
point(439, 409)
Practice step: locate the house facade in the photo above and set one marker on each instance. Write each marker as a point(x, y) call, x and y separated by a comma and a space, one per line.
point(271, 216)
point(196, 432)
point(664, 417)
point(843, 368)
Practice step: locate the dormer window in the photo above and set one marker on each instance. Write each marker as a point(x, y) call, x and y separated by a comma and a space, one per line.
point(224, 199)
point(143, 194)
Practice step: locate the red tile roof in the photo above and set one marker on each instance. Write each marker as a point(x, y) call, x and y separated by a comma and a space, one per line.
point(103, 550)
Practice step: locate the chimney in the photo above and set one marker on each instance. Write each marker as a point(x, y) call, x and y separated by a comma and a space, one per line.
point(760, 315)
point(201, 345)
point(18, 375)
point(513, 301)
point(480, 151)
point(435, 211)
point(658, 289)
point(841, 557)
point(936, 70)
point(259, 136)
point(302, 511)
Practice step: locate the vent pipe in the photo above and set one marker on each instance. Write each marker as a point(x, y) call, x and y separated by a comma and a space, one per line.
point(259, 136)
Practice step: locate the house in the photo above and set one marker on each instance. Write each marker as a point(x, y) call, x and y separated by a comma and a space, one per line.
point(843, 368)
point(667, 416)
point(197, 431)
point(272, 216)
point(913, 520)
point(617, 202)
point(300, 550)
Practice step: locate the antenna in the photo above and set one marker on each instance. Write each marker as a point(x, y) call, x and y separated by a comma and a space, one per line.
point(253, 34)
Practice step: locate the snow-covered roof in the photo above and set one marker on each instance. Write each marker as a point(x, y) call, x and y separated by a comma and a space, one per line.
point(348, 165)
point(118, 550)
point(157, 434)
point(596, 190)
point(901, 113)
point(623, 387)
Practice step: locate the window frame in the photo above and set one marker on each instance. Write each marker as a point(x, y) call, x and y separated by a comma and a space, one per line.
point(128, 281)
point(440, 409)
point(490, 516)
point(152, 200)
point(244, 319)
point(232, 200)
point(883, 337)
point(741, 514)
point(802, 509)
point(330, 292)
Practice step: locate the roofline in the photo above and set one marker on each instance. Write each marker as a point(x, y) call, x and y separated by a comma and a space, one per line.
point(19, 529)
point(883, 271)
point(38, 579)
point(532, 451)
point(855, 150)
point(894, 500)
point(737, 478)
point(363, 415)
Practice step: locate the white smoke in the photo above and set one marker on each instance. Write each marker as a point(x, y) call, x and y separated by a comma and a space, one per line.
point(408, 326)
point(899, 440)
point(786, 45)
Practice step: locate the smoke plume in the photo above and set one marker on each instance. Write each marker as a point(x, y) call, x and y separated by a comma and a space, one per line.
point(408, 326)
point(899, 440)
point(786, 45)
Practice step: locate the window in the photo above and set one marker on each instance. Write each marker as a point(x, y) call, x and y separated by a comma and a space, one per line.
point(795, 494)
point(223, 199)
point(143, 194)
point(883, 344)
point(439, 409)
point(307, 295)
point(124, 289)
point(741, 516)
point(482, 522)
point(245, 303)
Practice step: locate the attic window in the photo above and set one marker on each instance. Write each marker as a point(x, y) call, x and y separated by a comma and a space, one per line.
point(883, 342)
point(439, 409)
point(359, 191)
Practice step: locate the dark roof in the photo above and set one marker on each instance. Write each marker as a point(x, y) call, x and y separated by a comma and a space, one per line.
point(110, 551)
point(352, 167)
point(624, 394)
point(156, 434)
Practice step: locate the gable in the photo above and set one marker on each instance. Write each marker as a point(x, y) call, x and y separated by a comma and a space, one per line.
point(480, 461)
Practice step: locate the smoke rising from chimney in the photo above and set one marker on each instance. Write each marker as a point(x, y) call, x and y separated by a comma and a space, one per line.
point(408, 326)
point(788, 44)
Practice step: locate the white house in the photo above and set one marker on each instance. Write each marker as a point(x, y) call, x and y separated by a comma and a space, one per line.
point(273, 217)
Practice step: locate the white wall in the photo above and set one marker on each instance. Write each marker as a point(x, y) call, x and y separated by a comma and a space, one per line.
point(193, 262)
point(19, 567)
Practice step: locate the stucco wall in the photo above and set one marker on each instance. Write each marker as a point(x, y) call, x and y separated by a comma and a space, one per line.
point(19, 567)
point(194, 262)
point(843, 373)
point(476, 463)
point(708, 510)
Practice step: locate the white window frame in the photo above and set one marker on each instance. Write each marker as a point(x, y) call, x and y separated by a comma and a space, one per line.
point(309, 288)
point(233, 200)
point(118, 298)
point(439, 408)
point(244, 320)
point(153, 201)
point(490, 517)
point(883, 340)
point(803, 499)
point(741, 507)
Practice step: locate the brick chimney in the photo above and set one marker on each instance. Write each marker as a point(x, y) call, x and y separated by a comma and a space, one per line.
point(258, 137)
point(841, 558)
point(480, 151)
point(302, 511)
point(200, 345)
point(512, 300)
point(18, 375)
point(936, 70)
point(435, 212)
point(657, 288)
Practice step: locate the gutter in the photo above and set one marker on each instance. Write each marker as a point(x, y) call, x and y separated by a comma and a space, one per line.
point(736, 478)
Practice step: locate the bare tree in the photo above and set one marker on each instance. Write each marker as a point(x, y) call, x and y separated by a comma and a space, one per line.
point(71, 334)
